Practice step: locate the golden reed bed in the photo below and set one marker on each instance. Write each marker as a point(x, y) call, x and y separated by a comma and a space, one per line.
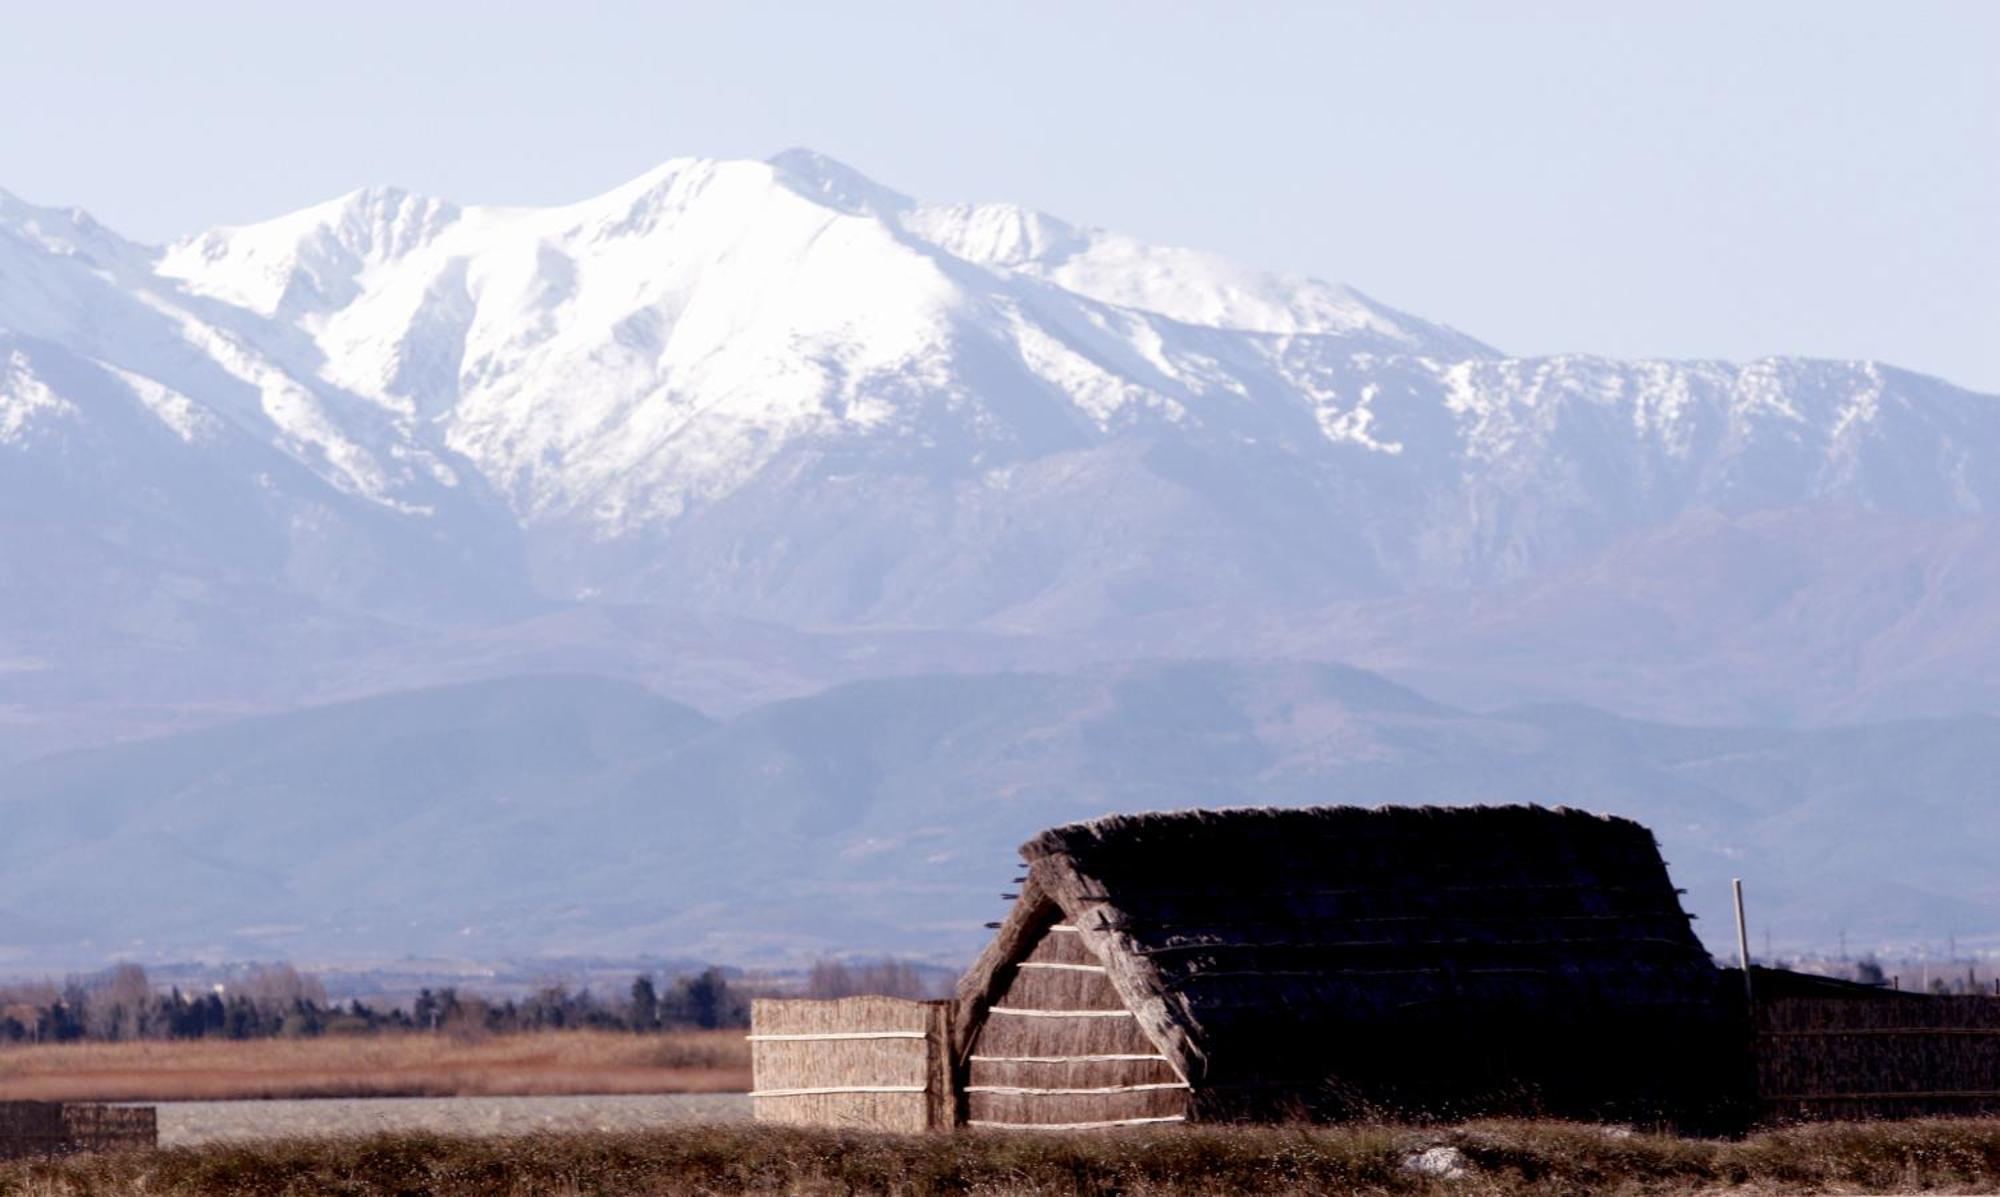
point(543, 1063)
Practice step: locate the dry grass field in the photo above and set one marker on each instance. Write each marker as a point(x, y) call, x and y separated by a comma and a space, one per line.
point(397, 1065)
point(1517, 1159)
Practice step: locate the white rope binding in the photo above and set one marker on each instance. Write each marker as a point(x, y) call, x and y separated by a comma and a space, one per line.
point(837, 1089)
point(1019, 1091)
point(1060, 1126)
point(818, 1037)
point(1061, 1059)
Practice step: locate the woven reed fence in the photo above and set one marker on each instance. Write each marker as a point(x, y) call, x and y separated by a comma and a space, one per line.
point(1892, 1057)
point(874, 1063)
point(42, 1128)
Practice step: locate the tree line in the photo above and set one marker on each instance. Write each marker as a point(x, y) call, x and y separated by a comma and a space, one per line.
point(279, 1001)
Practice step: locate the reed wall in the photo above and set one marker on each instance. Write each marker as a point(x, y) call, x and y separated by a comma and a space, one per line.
point(872, 1063)
point(43, 1128)
point(1896, 1056)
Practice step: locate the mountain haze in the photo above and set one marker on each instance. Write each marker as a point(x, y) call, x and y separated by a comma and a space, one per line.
point(556, 815)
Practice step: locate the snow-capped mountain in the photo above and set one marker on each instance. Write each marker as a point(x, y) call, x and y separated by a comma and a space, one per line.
point(778, 390)
point(651, 362)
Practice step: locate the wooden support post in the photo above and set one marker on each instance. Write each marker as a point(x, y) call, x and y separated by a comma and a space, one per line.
point(1742, 935)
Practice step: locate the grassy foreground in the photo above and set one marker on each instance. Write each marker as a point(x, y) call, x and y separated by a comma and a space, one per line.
point(542, 1063)
point(1504, 1158)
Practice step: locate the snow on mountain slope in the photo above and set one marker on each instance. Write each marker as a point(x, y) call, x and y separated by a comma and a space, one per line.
point(1521, 466)
point(163, 457)
point(666, 372)
point(1184, 285)
point(783, 299)
point(614, 362)
point(608, 361)
point(67, 281)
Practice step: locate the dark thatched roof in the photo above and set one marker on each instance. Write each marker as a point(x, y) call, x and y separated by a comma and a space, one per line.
point(1266, 948)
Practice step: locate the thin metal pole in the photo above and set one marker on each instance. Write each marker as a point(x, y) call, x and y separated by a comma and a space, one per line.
point(1742, 935)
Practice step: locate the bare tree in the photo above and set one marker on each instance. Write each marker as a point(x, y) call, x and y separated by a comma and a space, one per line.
point(278, 988)
point(121, 1003)
point(886, 978)
point(829, 979)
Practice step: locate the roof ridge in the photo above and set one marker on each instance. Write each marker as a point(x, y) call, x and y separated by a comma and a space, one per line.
point(1105, 828)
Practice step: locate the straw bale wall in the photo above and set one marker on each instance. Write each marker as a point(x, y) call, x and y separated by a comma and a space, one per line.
point(1058, 1047)
point(1893, 1056)
point(40, 1128)
point(873, 1063)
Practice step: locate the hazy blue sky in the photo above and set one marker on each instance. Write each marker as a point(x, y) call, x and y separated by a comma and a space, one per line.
point(1726, 180)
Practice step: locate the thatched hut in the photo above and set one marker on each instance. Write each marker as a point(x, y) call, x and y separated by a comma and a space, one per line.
point(1336, 960)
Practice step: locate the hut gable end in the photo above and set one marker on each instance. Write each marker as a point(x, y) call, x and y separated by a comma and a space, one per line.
point(1059, 1046)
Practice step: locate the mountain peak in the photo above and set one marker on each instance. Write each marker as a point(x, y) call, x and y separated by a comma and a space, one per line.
point(65, 231)
point(15, 210)
point(836, 184)
point(386, 219)
point(375, 197)
point(308, 259)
